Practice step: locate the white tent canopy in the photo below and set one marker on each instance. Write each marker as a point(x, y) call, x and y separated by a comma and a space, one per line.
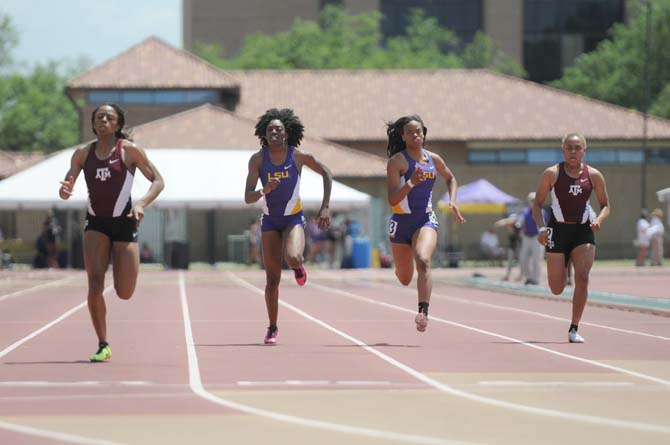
point(193, 179)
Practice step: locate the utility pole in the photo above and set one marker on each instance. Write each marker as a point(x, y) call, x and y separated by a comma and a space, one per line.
point(645, 115)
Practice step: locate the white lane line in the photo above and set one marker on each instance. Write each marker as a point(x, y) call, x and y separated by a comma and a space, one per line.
point(52, 435)
point(198, 388)
point(34, 288)
point(554, 384)
point(52, 323)
point(602, 421)
point(500, 336)
point(538, 314)
point(99, 396)
point(48, 384)
point(312, 383)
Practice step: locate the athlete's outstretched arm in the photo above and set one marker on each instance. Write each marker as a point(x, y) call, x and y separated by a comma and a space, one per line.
point(323, 218)
point(76, 165)
point(138, 157)
point(395, 168)
point(547, 180)
point(252, 195)
point(600, 188)
point(451, 183)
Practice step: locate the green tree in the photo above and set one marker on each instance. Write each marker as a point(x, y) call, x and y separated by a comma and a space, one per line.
point(614, 72)
point(483, 53)
point(661, 106)
point(35, 114)
point(425, 44)
point(8, 40)
point(345, 41)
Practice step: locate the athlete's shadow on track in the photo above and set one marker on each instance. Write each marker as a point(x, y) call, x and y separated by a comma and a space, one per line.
point(531, 342)
point(53, 362)
point(375, 345)
point(380, 345)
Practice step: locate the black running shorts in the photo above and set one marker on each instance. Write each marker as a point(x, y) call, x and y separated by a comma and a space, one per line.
point(562, 238)
point(120, 228)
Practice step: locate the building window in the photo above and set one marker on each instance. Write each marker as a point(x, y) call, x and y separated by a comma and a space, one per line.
point(154, 97)
point(483, 156)
point(555, 32)
point(658, 156)
point(463, 17)
point(549, 156)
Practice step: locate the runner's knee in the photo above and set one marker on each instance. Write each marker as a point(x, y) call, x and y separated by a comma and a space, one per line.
point(124, 293)
point(404, 278)
point(272, 279)
point(422, 263)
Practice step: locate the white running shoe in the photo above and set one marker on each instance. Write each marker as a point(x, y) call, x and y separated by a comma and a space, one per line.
point(574, 337)
point(421, 322)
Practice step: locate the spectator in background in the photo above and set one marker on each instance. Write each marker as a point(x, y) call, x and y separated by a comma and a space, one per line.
point(335, 234)
point(254, 244)
point(490, 245)
point(513, 243)
point(45, 245)
point(531, 249)
point(642, 238)
point(146, 255)
point(656, 231)
point(318, 242)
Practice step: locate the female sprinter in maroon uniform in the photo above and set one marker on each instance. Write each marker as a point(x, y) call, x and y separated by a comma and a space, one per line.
point(112, 220)
point(569, 233)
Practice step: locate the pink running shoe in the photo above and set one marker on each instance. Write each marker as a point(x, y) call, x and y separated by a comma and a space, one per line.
point(421, 322)
point(300, 275)
point(271, 336)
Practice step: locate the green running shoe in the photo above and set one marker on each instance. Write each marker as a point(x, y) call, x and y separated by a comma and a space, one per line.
point(104, 353)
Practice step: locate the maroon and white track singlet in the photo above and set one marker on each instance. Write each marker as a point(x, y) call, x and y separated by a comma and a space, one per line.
point(570, 196)
point(109, 183)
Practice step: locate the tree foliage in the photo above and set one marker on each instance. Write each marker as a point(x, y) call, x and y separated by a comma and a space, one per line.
point(614, 72)
point(354, 41)
point(8, 40)
point(35, 114)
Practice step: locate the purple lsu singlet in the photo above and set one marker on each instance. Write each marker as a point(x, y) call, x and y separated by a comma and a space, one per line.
point(109, 183)
point(420, 198)
point(285, 199)
point(570, 196)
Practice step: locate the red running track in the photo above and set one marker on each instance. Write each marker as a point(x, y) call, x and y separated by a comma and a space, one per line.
point(189, 365)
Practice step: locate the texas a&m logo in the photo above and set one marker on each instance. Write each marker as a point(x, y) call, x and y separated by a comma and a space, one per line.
point(575, 189)
point(103, 174)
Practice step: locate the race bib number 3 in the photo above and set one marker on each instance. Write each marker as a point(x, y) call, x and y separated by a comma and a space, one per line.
point(393, 225)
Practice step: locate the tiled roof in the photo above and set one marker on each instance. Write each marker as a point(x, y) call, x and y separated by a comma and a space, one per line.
point(461, 105)
point(153, 64)
point(211, 127)
point(13, 162)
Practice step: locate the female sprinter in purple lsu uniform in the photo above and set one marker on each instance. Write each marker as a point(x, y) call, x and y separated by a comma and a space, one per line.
point(278, 164)
point(112, 220)
point(569, 232)
point(411, 174)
